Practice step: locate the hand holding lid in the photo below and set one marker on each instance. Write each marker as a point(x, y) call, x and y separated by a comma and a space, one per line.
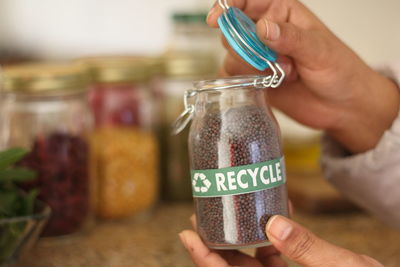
point(240, 32)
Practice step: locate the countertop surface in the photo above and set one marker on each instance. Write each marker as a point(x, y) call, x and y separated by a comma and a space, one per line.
point(153, 241)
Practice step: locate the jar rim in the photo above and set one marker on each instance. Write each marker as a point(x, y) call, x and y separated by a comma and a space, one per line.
point(234, 82)
point(117, 68)
point(189, 65)
point(44, 78)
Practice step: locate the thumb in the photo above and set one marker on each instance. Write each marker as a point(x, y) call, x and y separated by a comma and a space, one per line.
point(303, 247)
point(307, 47)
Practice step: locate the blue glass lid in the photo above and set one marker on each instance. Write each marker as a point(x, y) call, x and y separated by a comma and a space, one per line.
point(240, 32)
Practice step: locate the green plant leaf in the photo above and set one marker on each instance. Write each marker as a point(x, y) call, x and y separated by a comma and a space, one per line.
point(8, 241)
point(17, 175)
point(8, 203)
point(30, 199)
point(15, 202)
point(10, 156)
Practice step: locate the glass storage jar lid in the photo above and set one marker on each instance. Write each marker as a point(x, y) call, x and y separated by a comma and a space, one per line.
point(240, 32)
point(189, 65)
point(117, 69)
point(44, 78)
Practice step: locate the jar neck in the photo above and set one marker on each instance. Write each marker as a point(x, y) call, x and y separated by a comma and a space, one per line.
point(118, 86)
point(220, 100)
point(20, 97)
point(221, 94)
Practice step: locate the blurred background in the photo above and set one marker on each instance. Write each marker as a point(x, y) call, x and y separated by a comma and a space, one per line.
point(111, 75)
point(63, 29)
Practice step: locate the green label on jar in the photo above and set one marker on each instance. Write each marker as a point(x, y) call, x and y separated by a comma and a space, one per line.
point(238, 180)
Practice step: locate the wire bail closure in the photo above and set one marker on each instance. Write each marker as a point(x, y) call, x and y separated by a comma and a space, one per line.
point(186, 116)
point(223, 4)
point(240, 33)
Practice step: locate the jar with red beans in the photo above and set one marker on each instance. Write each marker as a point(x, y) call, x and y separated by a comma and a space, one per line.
point(44, 108)
point(124, 143)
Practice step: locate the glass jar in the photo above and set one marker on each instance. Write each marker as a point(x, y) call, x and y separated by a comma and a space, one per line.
point(44, 108)
point(238, 172)
point(156, 68)
point(124, 145)
point(181, 70)
point(191, 34)
point(301, 147)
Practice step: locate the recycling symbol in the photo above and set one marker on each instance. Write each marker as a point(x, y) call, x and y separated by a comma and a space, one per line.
point(200, 183)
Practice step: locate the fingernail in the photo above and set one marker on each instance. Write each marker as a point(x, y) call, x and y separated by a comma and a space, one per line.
point(272, 30)
point(279, 228)
point(183, 240)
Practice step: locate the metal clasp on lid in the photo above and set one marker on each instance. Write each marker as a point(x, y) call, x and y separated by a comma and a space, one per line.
point(223, 4)
point(186, 116)
point(242, 44)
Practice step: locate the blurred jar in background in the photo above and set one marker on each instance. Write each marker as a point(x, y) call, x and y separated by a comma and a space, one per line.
point(301, 147)
point(181, 70)
point(44, 108)
point(307, 188)
point(156, 67)
point(191, 54)
point(191, 32)
point(124, 145)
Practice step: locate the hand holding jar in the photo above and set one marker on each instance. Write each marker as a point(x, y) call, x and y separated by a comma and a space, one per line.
point(288, 238)
point(327, 86)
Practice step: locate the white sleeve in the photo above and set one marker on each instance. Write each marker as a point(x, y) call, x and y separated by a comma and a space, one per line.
point(370, 179)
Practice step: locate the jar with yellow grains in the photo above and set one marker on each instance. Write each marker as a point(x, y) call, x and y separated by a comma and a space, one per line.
point(124, 146)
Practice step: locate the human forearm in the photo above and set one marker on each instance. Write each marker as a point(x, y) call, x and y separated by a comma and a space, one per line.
point(370, 179)
point(371, 112)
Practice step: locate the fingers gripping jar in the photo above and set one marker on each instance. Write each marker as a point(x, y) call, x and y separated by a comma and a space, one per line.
point(237, 166)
